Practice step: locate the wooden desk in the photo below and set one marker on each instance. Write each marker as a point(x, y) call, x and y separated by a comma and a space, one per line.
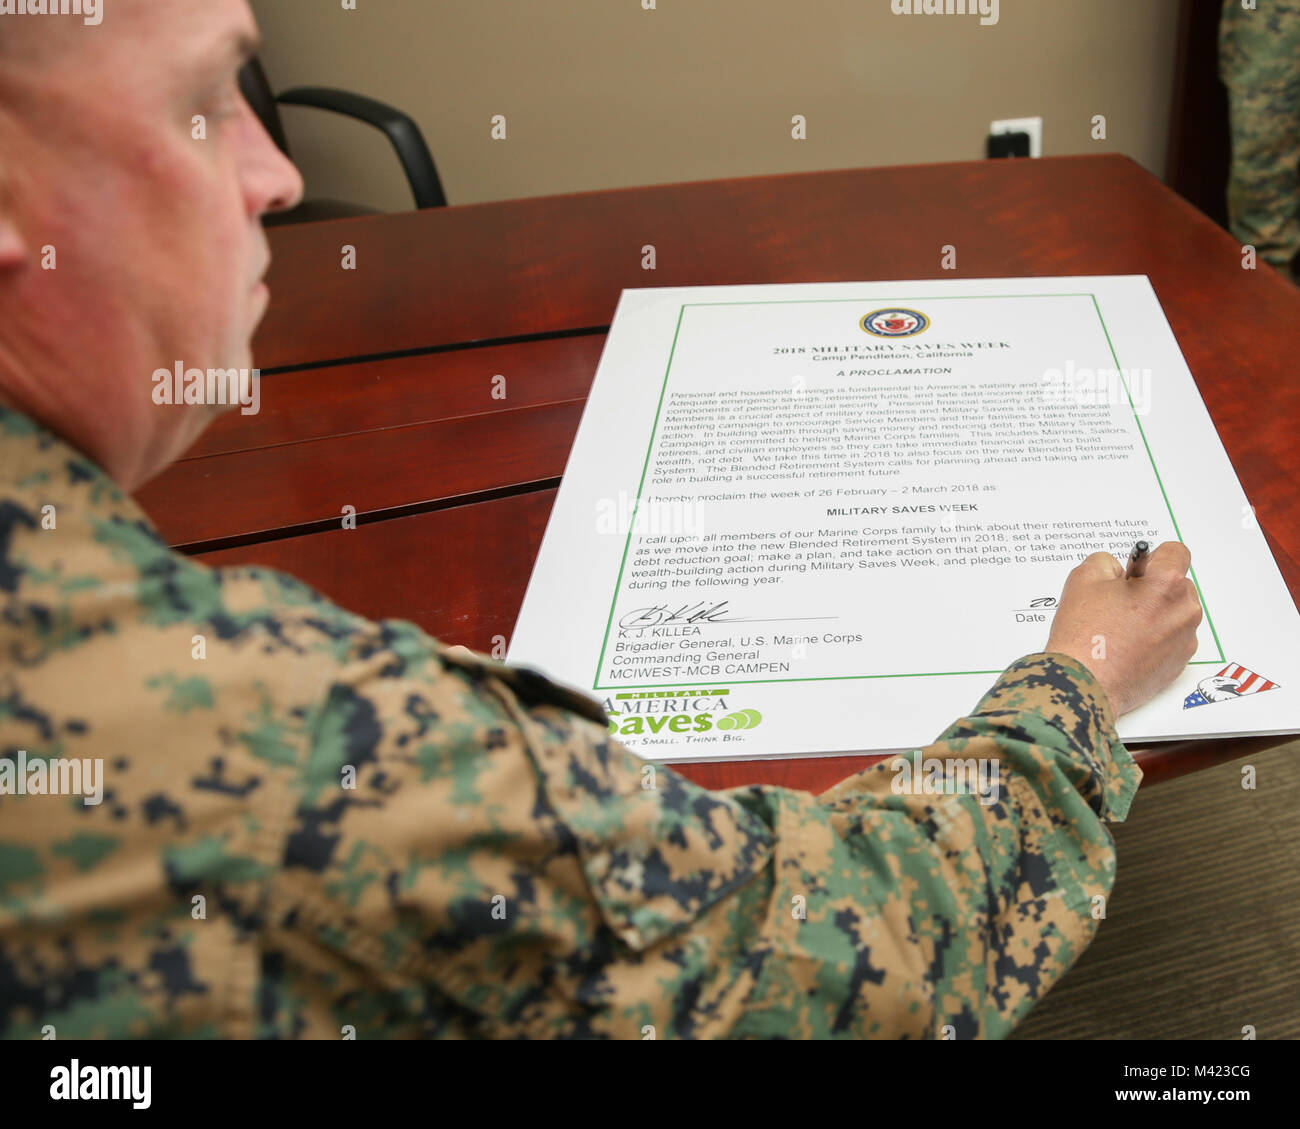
point(378, 381)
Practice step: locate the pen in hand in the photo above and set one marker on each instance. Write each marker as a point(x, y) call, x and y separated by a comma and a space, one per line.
point(1137, 560)
point(1147, 631)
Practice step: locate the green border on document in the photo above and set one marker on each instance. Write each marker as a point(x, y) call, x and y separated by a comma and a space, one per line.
point(857, 677)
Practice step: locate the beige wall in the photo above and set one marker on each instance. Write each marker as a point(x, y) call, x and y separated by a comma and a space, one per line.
point(603, 94)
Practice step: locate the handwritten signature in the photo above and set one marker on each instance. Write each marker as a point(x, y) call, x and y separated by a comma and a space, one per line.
point(662, 615)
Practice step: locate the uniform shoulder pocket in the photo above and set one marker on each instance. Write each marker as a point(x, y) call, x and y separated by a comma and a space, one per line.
point(530, 686)
point(657, 851)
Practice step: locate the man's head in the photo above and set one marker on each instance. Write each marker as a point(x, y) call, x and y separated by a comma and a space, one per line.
point(130, 163)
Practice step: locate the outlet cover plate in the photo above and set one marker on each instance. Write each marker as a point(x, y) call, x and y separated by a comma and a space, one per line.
point(1031, 126)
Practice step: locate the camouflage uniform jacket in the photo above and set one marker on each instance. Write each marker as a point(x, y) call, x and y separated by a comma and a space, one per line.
point(326, 826)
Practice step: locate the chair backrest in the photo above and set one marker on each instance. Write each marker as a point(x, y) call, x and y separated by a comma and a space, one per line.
point(257, 92)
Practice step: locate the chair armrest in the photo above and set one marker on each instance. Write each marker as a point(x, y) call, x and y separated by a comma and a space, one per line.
point(399, 128)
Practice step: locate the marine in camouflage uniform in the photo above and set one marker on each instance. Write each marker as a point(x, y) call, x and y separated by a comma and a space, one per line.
point(1259, 62)
point(498, 869)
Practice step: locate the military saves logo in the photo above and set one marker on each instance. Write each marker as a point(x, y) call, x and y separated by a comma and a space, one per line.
point(694, 713)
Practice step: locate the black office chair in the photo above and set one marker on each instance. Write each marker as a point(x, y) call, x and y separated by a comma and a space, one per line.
point(405, 135)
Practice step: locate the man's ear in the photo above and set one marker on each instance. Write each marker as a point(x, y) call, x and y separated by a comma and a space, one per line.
point(13, 250)
point(13, 247)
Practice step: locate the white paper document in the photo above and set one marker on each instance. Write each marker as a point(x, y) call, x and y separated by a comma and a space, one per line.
point(823, 518)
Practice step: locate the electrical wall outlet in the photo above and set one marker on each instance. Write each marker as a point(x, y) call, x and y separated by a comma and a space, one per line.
point(1031, 126)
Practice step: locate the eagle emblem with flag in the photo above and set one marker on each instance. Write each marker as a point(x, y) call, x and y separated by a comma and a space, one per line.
point(1233, 681)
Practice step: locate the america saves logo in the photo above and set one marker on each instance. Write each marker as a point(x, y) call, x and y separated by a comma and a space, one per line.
point(652, 712)
point(895, 322)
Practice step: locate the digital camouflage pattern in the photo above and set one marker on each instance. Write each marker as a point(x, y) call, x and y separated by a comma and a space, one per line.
point(1259, 62)
point(621, 912)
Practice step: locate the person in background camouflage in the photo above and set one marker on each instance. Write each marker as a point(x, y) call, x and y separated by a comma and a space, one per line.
point(1259, 62)
point(311, 825)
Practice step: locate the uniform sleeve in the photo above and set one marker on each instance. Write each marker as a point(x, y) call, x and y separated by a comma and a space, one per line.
point(505, 868)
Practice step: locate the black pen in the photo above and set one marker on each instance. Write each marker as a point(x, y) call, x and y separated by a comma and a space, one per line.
point(1137, 560)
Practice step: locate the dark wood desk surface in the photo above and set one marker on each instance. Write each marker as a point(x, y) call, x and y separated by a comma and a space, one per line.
point(378, 381)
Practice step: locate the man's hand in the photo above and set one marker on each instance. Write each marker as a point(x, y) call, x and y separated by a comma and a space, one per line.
point(1137, 635)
